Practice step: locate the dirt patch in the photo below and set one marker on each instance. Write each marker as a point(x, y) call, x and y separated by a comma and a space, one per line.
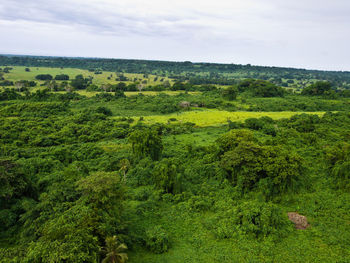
point(299, 221)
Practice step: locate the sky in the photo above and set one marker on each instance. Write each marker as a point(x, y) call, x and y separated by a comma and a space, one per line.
point(312, 34)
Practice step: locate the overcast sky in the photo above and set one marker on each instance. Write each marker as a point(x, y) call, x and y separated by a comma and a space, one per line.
point(305, 34)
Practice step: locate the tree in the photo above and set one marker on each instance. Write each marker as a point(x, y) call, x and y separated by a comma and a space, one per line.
point(19, 85)
point(140, 87)
point(230, 93)
point(338, 158)
point(104, 87)
point(166, 84)
point(43, 77)
point(102, 189)
point(145, 143)
point(62, 77)
point(104, 192)
point(157, 239)
point(165, 175)
point(52, 85)
point(79, 82)
point(121, 86)
point(260, 88)
point(231, 139)
point(114, 251)
point(318, 88)
point(249, 165)
point(68, 88)
point(124, 165)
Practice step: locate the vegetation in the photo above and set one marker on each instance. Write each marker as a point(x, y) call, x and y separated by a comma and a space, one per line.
point(181, 170)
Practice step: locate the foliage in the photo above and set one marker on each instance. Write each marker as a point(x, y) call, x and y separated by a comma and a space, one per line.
point(114, 251)
point(166, 176)
point(230, 93)
point(253, 218)
point(62, 77)
point(338, 158)
point(146, 142)
point(44, 77)
point(157, 240)
point(77, 167)
point(261, 88)
point(79, 82)
point(318, 88)
point(249, 165)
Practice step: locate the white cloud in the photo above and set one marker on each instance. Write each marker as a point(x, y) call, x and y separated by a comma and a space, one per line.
point(311, 34)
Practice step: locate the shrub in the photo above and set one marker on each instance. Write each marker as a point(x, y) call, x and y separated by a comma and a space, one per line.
point(157, 240)
point(104, 111)
point(230, 93)
point(62, 77)
point(260, 219)
point(338, 158)
point(254, 124)
point(250, 218)
point(318, 88)
point(43, 77)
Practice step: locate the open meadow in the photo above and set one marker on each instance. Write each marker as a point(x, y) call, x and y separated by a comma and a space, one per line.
point(205, 118)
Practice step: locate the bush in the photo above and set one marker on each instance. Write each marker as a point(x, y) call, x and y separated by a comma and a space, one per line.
point(261, 88)
point(157, 240)
point(43, 77)
point(250, 218)
point(254, 124)
point(62, 77)
point(318, 88)
point(338, 158)
point(230, 93)
point(104, 111)
point(260, 219)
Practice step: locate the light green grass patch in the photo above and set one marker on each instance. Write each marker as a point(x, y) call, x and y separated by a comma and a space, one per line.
point(216, 117)
point(134, 93)
point(19, 73)
point(154, 93)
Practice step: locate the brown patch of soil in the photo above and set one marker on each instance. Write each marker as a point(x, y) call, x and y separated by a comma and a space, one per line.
point(299, 221)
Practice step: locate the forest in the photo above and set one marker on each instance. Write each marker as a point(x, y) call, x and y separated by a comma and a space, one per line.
point(144, 161)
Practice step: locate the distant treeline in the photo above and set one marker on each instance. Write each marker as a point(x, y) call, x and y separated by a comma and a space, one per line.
point(199, 73)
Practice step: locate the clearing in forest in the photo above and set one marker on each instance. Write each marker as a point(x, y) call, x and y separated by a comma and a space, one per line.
point(206, 118)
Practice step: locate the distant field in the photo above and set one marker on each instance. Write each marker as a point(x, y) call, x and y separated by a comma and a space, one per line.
point(133, 93)
point(19, 73)
point(216, 117)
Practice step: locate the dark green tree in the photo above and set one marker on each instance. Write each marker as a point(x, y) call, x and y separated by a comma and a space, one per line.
point(318, 88)
point(146, 142)
point(230, 93)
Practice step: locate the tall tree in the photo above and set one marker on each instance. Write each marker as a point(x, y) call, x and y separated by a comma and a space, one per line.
point(145, 143)
point(114, 251)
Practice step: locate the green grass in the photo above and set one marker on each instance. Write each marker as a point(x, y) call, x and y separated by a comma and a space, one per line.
point(19, 73)
point(204, 118)
point(135, 93)
point(192, 242)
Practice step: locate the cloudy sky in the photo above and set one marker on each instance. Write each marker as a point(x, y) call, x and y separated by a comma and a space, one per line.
point(305, 34)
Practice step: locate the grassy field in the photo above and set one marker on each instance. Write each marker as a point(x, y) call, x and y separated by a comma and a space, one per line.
point(19, 73)
point(134, 93)
point(204, 118)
